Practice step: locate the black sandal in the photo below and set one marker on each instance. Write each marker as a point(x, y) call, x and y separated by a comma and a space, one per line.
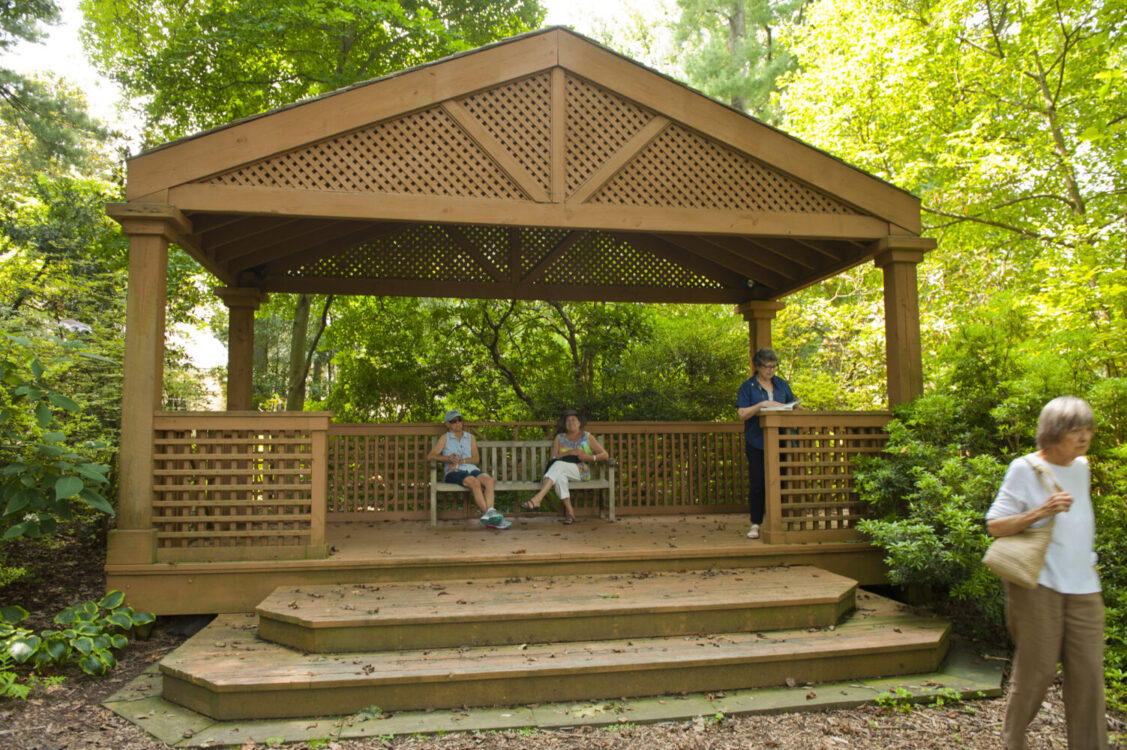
point(528, 506)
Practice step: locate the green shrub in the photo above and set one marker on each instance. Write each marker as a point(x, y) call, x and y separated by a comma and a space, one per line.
point(90, 633)
point(42, 476)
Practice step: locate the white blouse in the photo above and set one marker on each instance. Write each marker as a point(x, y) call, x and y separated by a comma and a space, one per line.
point(1070, 562)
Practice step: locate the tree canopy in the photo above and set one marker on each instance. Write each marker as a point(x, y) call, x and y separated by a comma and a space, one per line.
point(201, 63)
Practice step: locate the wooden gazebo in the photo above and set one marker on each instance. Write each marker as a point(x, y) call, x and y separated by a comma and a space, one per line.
point(541, 167)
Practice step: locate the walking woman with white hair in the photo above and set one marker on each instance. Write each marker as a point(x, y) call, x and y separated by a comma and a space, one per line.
point(1062, 619)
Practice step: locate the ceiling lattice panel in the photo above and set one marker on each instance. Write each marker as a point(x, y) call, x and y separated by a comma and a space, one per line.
point(682, 169)
point(429, 253)
point(425, 153)
point(422, 252)
point(600, 260)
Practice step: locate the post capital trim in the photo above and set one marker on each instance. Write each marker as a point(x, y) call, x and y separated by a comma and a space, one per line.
point(759, 309)
point(150, 219)
point(902, 249)
point(241, 296)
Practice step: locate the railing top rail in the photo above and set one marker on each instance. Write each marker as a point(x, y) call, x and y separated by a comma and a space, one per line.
point(186, 420)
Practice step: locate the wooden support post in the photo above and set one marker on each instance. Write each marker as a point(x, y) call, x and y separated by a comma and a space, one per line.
point(758, 315)
point(898, 257)
point(241, 303)
point(134, 539)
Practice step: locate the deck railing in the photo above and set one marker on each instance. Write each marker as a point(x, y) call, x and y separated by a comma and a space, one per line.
point(239, 485)
point(808, 460)
point(251, 485)
point(378, 471)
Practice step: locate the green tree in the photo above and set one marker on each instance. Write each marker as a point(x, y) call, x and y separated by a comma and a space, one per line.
point(54, 117)
point(201, 63)
point(195, 65)
point(732, 50)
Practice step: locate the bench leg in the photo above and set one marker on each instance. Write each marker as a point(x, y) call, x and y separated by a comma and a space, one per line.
point(433, 505)
point(610, 495)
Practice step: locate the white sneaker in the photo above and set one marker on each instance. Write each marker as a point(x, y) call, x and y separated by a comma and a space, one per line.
point(754, 532)
point(491, 515)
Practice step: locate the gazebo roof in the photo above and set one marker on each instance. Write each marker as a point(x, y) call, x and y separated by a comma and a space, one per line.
point(541, 167)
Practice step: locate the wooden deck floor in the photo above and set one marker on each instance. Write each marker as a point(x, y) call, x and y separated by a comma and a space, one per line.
point(538, 544)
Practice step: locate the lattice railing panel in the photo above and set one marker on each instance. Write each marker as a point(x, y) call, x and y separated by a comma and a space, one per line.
point(678, 468)
point(519, 116)
point(232, 488)
point(598, 259)
point(598, 124)
point(379, 471)
point(425, 153)
point(814, 458)
point(682, 169)
point(421, 252)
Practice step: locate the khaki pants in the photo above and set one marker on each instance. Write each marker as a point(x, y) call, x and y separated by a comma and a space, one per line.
point(1048, 627)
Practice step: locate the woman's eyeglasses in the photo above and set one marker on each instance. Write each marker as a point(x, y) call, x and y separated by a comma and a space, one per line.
point(455, 419)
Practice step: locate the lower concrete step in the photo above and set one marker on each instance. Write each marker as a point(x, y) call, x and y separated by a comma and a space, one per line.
point(227, 672)
point(450, 614)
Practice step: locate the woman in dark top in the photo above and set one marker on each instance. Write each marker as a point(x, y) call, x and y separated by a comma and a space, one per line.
point(763, 390)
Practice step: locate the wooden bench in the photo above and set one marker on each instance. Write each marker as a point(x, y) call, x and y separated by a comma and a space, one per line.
point(519, 465)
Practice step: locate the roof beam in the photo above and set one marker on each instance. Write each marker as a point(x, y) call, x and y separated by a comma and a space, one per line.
point(285, 234)
point(511, 212)
point(490, 290)
point(253, 227)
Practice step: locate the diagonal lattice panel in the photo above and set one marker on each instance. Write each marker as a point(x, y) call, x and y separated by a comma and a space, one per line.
point(492, 242)
point(519, 116)
point(423, 252)
point(598, 259)
point(536, 244)
point(598, 124)
point(424, 153)
point(682, 169)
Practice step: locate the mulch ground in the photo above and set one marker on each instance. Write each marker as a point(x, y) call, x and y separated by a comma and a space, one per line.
point(70, 715)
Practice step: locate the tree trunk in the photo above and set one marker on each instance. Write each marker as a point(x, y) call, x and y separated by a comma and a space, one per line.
point(737, 32)
point(295, 395)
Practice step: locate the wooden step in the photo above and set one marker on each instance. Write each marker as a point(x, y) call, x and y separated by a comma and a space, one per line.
point(451, 614)
point(226, 672)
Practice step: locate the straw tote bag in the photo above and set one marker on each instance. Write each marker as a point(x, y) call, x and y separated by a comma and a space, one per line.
point(1018, 558)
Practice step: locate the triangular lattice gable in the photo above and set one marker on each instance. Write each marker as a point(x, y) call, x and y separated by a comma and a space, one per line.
point(428, 153)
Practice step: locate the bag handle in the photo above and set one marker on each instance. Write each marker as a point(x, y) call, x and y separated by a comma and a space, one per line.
point(1045, 475)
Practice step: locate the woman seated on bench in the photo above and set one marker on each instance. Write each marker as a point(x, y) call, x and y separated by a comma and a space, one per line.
point(458, 450)
point(573, 450)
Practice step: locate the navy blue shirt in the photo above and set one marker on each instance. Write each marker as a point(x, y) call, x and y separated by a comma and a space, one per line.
point(750, 394)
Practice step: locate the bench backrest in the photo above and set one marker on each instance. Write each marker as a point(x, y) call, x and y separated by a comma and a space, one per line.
point(514, 460)
point(518, 460)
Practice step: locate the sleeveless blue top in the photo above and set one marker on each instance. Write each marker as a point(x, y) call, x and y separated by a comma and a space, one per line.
point(462, 448)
